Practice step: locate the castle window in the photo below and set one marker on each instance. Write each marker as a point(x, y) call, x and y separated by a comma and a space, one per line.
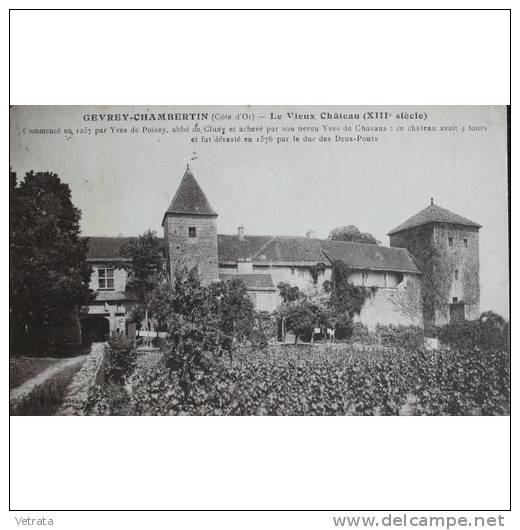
point(465, 243)
point(456, 274)
point(450, 241)
point(192, 231)
point(105, 278)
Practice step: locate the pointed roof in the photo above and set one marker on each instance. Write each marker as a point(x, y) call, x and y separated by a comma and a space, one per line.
point(433, 214)
point(190, 199)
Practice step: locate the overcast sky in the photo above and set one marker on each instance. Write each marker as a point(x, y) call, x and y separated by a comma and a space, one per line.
point(123, 183)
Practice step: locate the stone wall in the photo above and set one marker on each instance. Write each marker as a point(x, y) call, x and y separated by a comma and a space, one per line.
point(91, 373)
point(462, 255)
point(456, 259)
point(400, 305)
point(185, 251)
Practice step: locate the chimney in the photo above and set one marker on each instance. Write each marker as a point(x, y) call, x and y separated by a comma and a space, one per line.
point(311, 234)
point(241, 233)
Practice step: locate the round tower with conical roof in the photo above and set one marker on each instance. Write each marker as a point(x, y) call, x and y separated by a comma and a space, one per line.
point(446, 248)
point(190, 230)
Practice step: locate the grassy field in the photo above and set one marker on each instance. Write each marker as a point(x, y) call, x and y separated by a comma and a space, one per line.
point(21, 369)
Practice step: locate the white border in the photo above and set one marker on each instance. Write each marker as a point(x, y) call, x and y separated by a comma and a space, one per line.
point(261, 58)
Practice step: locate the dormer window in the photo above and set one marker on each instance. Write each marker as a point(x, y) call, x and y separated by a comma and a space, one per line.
point(106, 278)
point(192, 231)
point(450, 241)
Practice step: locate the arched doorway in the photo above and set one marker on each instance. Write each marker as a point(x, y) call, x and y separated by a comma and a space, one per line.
point(94, 328)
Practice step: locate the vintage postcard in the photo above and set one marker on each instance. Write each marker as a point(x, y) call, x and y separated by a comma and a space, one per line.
point(259, 260)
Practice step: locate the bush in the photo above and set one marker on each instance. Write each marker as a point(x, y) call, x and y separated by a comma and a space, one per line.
point(360, 333)
point(121, 358)
point(490, 331)
point(265, 329)
point(400, 337)
point(107, 400)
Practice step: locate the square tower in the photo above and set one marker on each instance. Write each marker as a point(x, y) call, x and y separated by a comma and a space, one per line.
point(446, 248)
point(190, 231)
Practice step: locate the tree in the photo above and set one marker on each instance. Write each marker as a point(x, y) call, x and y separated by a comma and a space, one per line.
point(48, 275)
point(203, 322)
point(288, 293)
point(352, 233)
point(300, 318)
point(145, 266)
point(234, 310)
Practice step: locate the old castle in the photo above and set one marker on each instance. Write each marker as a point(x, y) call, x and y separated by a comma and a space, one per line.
point(428, 275)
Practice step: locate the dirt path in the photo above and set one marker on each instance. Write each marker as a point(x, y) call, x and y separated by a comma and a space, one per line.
point(21, 369)
point(42, 395)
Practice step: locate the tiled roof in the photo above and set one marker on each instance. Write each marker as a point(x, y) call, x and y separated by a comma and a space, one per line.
point(371, 257)
point(232, 249)
point(433, 214)
point(190, 199)
point(105, 247)
point(284, 250)
point(253, 282)
point(275, 249)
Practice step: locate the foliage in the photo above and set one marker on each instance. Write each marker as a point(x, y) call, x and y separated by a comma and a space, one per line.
point(110, 399)
point(397, 337)
point(316, 271)
point(203, 323)
point(437, 268)
point(328, 381)
point(352, 233)
point(121, 357)
point(48, 273)
point(288, 293)
point(145, 265)
point(234, 310)
point(301, 318)
point(137, 314)
point(403, 338)
point(265, 328)
point(489, 331)
point(346, 299)
point(304, 311)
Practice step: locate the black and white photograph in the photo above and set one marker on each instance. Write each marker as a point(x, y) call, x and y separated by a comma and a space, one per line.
point(259, 261)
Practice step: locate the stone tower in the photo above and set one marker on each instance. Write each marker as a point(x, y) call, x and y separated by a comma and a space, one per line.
point(190, 230)
point(446, 248)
